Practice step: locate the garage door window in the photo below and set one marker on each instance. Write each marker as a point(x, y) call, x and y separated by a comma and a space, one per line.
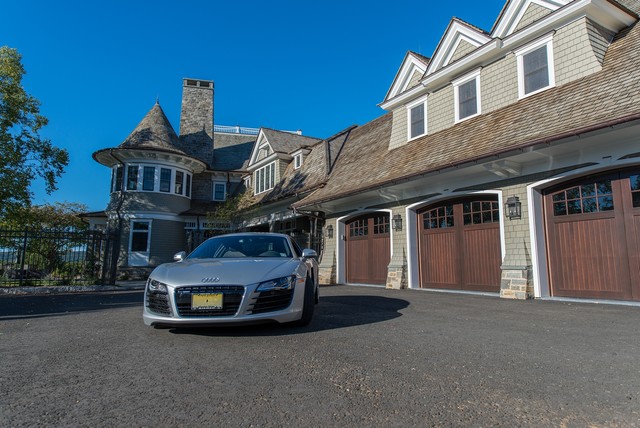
point(381, 225)
point(438, 218)
point(359, 228)
point(585, 198)
point(480, 212)
point(635, 190)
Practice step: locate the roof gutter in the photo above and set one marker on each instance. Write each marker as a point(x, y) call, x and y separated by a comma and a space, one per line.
point(498, 153)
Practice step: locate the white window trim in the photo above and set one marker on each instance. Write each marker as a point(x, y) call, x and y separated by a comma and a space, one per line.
point(522, 51)
point(409, 107)
point(224, 184)
point(456, 96)
point(297, 160)
point(139, 258)
point(256, 181)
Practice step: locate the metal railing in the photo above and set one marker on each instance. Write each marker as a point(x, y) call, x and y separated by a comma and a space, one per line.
point(55, 257)
point(244, 130)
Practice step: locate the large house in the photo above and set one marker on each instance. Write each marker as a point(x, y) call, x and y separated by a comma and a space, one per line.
point(508, 162)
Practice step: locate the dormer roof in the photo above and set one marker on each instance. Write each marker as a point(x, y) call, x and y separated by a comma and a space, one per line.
point(513, 12)
point(281, 143)
point(459, 39)
point(409, 74)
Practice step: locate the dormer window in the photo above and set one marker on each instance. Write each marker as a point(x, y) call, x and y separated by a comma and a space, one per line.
point(467, 96)
point(417, 118)
point(297, 160)
point(535, 67)
point(265, 178)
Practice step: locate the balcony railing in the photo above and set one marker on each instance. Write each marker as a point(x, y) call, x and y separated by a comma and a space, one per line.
point(243, 130)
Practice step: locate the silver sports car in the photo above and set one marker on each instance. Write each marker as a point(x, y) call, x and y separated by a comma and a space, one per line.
point(240, 278)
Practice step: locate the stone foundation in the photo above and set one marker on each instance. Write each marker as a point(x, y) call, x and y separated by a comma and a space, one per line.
point(516, 283)
point(397, 277)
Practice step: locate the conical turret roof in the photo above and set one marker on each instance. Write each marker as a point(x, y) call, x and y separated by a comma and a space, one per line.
point(153, 132)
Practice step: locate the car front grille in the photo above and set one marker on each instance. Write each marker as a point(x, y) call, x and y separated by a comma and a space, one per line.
point(231, 299)
point(273, 300)
point(158, 303)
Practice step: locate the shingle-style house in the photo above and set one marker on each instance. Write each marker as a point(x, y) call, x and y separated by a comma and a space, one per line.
point(508, 162)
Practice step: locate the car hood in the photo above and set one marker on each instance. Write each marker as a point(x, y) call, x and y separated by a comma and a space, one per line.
point(228, 271)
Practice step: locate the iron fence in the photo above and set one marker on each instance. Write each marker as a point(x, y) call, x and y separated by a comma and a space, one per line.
point(55, 257)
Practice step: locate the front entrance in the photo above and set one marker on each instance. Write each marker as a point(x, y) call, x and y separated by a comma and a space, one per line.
point(593, 234)
point(459, 245)
point(368, 249)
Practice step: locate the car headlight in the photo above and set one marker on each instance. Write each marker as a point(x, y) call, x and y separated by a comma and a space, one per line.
point(158, 287)
point(284, 283)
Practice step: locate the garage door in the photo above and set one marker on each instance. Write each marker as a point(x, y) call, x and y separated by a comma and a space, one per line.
point(368, 249)
point(593, 230)
point(459, 245)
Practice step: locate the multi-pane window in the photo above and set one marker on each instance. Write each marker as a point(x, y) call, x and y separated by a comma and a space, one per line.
point(438, 218)
point(359, 228)
point(219, 191)
point(148, 178)
point(265, 178)
point(480, 212)
point(467, 95)
point(179, 182)
point(132, 177)
point(584, 198)
point(634, 181)
point(381, 225)
point(535, 67)
point(165, 180)
point(118, 176)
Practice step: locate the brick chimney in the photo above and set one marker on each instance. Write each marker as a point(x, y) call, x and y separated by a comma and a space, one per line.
point(196, 119)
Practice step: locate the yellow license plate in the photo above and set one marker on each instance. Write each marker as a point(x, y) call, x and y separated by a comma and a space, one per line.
point(206, 301)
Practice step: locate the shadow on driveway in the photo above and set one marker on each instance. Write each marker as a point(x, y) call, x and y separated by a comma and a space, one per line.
point(333, 312)
point(42, 305)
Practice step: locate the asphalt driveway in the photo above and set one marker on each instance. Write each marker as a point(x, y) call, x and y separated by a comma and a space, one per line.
point(370, 357)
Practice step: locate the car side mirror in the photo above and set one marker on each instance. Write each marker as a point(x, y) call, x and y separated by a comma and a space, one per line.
point(178, 257)
point(308, 253)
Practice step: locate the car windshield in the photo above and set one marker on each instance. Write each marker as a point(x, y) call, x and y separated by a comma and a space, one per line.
point(242, 246)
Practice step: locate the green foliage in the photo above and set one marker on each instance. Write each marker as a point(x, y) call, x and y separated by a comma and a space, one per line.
point(59, 216)
point(232, 211)
point(24, 154)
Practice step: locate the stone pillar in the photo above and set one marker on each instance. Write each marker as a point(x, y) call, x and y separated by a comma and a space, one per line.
point(517, 275)
point(327, 271)
point(397, 270)
point(196, 119)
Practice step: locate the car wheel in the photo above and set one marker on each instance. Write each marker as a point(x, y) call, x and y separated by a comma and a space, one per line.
point(308, 305)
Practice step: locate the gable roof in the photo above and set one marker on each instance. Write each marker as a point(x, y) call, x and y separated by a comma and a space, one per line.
point(457, 31)
point(281, 142)
point(412, 63)
point(514, 10)
point(366, 163)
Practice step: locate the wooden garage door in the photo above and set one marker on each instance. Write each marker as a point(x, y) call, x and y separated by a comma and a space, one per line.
point(459, 245)
point(368, 249)
point(593, 234)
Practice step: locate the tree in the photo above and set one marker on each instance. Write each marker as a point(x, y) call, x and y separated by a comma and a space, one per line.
point(24, 154)
point(59, 216)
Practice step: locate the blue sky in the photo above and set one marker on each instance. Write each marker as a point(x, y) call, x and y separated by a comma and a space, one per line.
point(98, 67)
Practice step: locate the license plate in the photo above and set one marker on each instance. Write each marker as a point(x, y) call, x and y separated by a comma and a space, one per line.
point(206, 301)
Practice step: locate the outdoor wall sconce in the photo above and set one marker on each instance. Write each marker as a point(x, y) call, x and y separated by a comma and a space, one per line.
point(397, 222)
point(513, 207)
point(330, 231)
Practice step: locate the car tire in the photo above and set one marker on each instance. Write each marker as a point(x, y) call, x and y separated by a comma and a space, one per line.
point(307, 305)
